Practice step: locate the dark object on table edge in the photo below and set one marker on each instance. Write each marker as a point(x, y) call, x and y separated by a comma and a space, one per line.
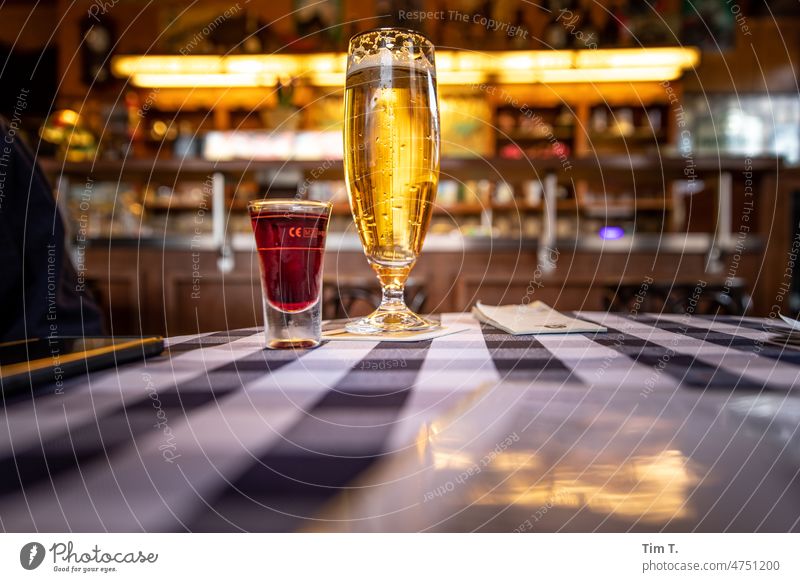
point(28, 363)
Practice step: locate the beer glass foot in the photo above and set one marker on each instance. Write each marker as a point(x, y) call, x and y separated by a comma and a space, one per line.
point(383, 321)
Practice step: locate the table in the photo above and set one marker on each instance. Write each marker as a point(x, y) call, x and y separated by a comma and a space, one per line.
point(670, 423)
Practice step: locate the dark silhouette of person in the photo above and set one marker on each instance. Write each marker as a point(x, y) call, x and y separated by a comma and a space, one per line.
point(40, 293)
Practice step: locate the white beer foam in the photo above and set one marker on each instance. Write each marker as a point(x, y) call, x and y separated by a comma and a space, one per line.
point(385, 57)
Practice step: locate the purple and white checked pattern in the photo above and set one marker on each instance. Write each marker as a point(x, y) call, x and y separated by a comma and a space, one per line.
point(219, 434)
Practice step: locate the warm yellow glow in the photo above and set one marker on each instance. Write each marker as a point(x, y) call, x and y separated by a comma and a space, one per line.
point(528, 60)
point(453, 67)
point(244, 66)
point(326, 79)
point(178, 65)
point(326, 63)
point(68, 117)
point(651, 488)
point(455, 460)
point(611, 75)
point(461, 77)
point(203, 80)
point(160, 128)
point(679, 58)
point(275, 64)
point(593, 75)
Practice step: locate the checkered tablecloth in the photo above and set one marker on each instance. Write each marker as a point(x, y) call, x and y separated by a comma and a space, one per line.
point(219, 434)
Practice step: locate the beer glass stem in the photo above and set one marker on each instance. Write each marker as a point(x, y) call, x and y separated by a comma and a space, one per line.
point(392, 314)
point(393, 299)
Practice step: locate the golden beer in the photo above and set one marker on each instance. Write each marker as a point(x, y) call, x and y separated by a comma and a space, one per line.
point(391, 143)
point(393, 181)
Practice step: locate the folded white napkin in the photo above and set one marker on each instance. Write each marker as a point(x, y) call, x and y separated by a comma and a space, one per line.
point(536, 317)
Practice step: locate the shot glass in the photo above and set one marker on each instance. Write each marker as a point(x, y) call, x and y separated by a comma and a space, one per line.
point(290, 239)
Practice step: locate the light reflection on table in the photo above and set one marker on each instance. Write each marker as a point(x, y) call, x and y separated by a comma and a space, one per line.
point(591, 460)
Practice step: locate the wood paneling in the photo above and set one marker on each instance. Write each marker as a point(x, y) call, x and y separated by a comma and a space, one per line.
point(162, 288)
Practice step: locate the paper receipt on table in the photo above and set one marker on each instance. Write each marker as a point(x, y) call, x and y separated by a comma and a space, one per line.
point(534, 318)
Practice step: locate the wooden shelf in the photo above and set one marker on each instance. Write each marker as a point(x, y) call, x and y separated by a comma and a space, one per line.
point(567, 204)
point(637, 136)
point(639, 204)
point(518, 206)
point(460, 209)
point(489, 168)
point(559, 135)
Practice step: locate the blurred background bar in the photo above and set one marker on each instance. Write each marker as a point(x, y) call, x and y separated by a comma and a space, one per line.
point(586, 148)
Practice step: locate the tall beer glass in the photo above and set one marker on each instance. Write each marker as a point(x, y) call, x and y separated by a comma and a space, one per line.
point(391, 159)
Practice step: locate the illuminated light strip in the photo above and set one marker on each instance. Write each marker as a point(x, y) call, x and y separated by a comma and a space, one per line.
point(453, 67)
point(180, 65)
point(443, 78)
point(656, 57)
point(539, 60)
point(461, 77)
point(325, 79)
point(203, 80)
point(623, 75)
